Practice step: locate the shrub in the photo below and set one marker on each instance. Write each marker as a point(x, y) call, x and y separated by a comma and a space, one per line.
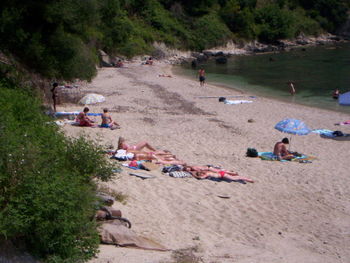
point(274, 23)
point(209, 31)
point(47, 189)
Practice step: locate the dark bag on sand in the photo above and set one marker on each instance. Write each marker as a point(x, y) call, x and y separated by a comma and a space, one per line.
point(338, 133)
point(172, 168)
point(252, 152)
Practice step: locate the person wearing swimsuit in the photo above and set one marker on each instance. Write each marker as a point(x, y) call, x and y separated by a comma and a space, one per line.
point(107, 121)
point(54, 95)
point(138, 147)
point(220, 175)
point(201, 74)
point(83, 120)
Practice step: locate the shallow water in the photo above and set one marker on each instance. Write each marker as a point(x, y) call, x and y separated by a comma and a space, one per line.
point(315, 71)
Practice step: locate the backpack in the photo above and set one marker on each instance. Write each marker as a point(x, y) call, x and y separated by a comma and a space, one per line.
point(338, 133)
point(252, 152)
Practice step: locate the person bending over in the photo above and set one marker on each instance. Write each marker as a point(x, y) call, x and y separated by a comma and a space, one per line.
point(83, 120)
point(137, 147)
point(107, 121)
point(280, 150)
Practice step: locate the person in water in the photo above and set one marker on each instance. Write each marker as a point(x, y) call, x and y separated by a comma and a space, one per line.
point(107, 121)
point(336, 93)
point(291, 88)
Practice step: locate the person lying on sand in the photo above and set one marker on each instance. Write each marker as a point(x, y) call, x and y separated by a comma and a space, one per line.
point(173, 162)
point(193, 168)
point(158, 157)
point(107, 121)
point(83, 120)
point(138, 147)
point(149, 156)
point(280, 150)
point(219, 175)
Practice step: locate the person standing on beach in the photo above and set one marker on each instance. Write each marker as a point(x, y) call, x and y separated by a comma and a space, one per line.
point(54, 95)
point(291, 88)
point(201, 74)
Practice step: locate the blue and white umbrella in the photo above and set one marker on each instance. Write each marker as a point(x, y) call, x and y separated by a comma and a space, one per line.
point(293, 126)
point(92, 98)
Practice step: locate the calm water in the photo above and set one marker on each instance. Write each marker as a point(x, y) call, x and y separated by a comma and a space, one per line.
point(316, 72)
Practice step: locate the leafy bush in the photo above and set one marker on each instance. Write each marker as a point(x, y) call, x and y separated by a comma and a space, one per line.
point(47, 189)
point(209, 31)
point(274, 23)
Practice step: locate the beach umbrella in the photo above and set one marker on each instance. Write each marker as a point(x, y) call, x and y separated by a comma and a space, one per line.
point(92, 98)
point(344, 99)
point(292, 126)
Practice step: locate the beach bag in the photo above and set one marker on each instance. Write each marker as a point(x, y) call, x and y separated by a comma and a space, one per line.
point(252, 152)
point(338, 133)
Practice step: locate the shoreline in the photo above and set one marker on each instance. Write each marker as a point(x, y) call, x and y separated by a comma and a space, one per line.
point(230, 88)
point(293, 212)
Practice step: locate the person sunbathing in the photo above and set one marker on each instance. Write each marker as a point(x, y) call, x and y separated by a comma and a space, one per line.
point(193, 168)
point(173, 162)
point(83, 120)
point(219, 175)
point(149, 156)
point(280, 150)
point(137, 147)
point(107, 121)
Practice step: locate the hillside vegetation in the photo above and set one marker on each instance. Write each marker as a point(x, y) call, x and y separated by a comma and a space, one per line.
point(59, 39)
point(47, 181)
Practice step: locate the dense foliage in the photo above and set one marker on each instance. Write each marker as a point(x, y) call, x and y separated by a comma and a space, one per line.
point(60, 38)
point(47, 189)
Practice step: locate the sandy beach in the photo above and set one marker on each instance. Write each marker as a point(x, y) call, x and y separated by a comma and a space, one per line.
point(293, 212)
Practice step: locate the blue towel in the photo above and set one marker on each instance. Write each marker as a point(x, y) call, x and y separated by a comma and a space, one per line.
point(325, 132)
point(63, 113)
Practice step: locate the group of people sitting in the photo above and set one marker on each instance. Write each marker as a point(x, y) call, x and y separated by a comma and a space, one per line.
point(107, 122)
point(167, 158)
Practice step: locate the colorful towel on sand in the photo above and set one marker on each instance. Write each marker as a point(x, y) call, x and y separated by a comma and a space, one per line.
point(336, 135)
point(269, 156)
point(63, 113)
point(343, 123)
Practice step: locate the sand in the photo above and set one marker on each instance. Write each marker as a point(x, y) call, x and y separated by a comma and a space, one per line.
point(294, 212)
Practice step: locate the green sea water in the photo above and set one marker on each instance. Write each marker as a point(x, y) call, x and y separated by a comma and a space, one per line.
point(315, 72)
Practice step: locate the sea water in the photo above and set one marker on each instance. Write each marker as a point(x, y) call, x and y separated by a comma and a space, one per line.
point(315, 72)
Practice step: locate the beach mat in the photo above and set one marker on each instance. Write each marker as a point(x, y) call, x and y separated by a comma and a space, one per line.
point(334, 135)
point(269, 156)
